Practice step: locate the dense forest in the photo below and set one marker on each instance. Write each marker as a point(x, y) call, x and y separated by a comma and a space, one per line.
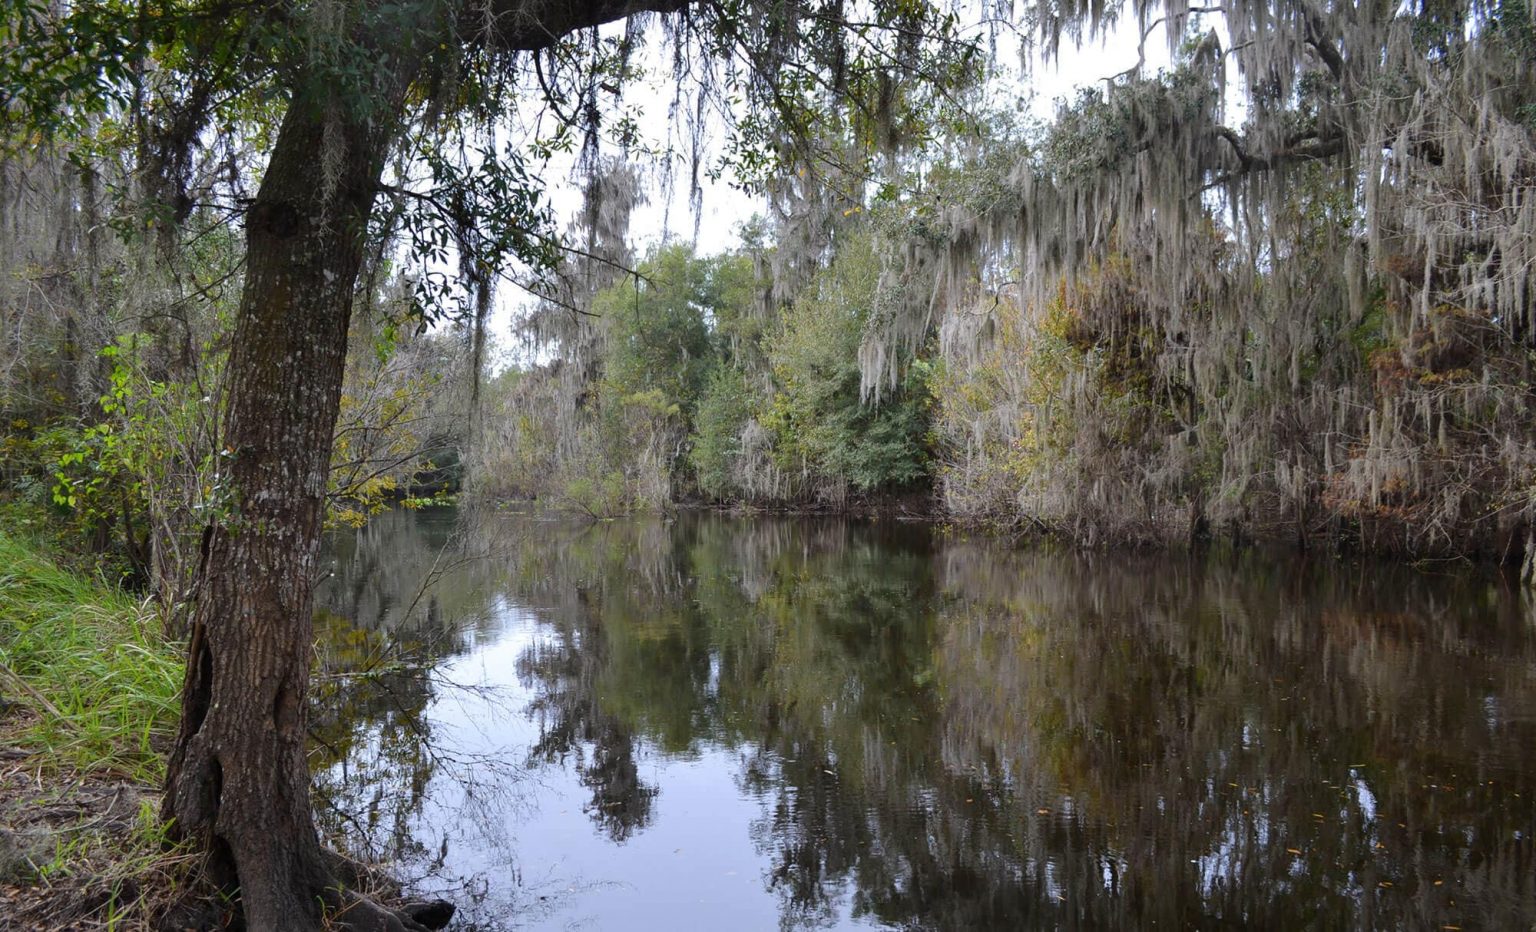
point(1128, 324)
point(1281, 288)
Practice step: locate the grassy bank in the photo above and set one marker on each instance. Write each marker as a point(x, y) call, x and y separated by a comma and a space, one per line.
point(91, 663)
point(88, 705)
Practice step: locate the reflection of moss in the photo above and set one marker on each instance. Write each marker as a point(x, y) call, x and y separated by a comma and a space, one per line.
point(1114, 703)
point(960, 736)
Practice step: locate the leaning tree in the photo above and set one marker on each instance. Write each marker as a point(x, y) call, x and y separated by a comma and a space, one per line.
point(379, 120)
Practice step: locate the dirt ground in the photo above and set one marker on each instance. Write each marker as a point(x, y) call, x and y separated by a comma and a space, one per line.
point(84, 853)
point(80, 852)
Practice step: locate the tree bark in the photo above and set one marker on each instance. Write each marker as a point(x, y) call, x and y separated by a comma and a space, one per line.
point(238, 780)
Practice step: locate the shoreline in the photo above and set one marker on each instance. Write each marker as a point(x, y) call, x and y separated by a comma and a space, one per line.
point(1514, 553)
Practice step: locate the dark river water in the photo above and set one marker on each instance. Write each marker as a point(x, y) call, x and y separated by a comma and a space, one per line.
point(738, 724)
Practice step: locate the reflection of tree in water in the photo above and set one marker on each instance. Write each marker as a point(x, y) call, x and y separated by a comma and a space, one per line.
point(972, 738)
point(401, 598)
point(575, 728)
point(372, 750)
point(957, 736)
point(429, 573)
point(1255, 742)
point(605, 590)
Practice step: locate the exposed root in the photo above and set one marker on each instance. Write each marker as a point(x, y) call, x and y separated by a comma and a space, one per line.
point(358, 902)
point(359, 913)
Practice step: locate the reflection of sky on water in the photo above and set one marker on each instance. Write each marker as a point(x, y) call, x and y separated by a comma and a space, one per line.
point(695, 857)
point(732, 724)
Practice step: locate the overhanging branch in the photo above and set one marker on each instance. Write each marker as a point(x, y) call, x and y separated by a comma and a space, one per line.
point(534, 25)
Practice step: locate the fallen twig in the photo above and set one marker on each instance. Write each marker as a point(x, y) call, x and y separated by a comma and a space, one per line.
point(36, 696)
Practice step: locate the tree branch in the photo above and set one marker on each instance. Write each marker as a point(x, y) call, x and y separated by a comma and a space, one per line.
point(1325, 48)
point(1300, 151)
point(448, 213)
point(534, 25)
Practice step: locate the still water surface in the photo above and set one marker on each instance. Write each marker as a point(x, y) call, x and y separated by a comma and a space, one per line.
point(716, 723)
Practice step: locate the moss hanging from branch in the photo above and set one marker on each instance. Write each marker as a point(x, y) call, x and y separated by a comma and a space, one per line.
point(1328, 308)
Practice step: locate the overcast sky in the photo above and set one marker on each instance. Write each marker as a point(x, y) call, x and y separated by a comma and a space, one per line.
point(724, 208)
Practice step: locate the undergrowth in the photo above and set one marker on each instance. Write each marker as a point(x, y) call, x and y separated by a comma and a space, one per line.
point(94, 665)
point(97, 680)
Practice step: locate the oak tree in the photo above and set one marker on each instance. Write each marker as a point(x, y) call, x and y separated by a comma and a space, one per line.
point(363, 105)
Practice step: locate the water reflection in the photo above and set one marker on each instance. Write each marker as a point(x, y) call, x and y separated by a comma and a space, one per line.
point(875, 726)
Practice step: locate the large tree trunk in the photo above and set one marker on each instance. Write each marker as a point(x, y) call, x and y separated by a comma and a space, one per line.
point(238, 781)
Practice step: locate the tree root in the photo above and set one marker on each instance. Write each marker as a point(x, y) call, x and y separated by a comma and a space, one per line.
point(356, 912)
point(351, 909)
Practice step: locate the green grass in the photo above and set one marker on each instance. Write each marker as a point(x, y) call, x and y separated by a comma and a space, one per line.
point(96, 657)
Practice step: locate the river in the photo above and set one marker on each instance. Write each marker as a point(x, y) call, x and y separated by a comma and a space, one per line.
point(757, 723)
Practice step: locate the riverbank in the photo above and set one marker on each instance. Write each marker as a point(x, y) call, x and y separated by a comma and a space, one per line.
point(89, 703)
point(87, 709)
point(905, 506)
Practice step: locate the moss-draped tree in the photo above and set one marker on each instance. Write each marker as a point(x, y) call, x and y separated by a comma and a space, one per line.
point(1290, 283)
point(354, 98)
